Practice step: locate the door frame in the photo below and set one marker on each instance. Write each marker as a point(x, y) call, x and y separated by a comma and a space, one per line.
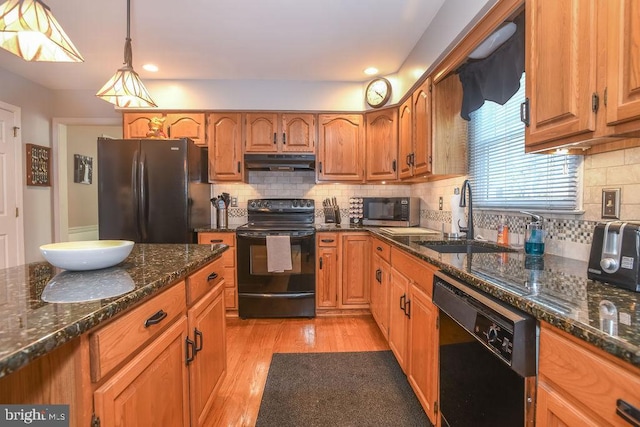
point(59, 168)
point(19, 182)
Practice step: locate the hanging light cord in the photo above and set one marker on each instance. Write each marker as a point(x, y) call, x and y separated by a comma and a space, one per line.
point(128, 55)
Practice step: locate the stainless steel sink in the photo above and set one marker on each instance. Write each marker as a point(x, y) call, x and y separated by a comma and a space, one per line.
point(463, 247)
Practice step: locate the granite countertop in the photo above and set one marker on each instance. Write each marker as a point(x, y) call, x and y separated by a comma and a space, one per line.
point(551, 288)
point(31, 327)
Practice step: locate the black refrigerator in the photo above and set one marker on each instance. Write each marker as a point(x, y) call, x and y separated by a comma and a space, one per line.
point(152, 190)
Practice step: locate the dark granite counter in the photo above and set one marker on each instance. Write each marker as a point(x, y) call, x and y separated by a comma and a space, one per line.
point(553, 289)
point(31, 327)
point(229, 229)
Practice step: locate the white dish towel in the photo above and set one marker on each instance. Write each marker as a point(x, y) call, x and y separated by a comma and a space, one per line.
point(278, 254)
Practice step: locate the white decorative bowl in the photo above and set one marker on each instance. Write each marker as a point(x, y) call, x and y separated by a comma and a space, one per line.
point(87, 255)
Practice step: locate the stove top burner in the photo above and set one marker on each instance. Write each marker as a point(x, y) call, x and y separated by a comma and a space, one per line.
point(280, 214)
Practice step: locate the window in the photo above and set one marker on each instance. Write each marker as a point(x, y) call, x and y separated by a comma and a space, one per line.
point(503, 176)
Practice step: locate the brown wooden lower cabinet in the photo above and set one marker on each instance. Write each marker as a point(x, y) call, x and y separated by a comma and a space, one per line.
point(229, 261)
point(124, 374)
point(579, 385)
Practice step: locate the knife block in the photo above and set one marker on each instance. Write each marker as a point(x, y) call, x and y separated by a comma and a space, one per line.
point(332, 215)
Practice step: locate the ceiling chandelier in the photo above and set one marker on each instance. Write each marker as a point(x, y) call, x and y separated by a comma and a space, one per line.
point(29, 30)
point(125, 89)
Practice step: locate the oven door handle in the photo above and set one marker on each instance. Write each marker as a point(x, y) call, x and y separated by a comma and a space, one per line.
point(296, 295)
point(262, 235)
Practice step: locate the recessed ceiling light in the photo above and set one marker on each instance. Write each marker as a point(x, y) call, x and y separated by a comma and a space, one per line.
point(371, 71)
point(150, 67)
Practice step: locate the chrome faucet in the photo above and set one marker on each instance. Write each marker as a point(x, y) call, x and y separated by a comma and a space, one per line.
point(468, 230)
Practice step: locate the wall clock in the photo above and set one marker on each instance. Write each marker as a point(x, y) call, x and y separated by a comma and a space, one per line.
point(378, 92)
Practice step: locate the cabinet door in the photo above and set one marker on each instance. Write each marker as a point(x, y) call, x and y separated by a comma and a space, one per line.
point(449, 129)
point(229, 263)
point(136, 125)
point(561, 68)
point(356, 254)
point(405, 140)
point(327, 277)
point(623, 62)
point(187, 125)
point(380, 293)
point(422, 350)
point(225, 147)
point(382, 145)
point(340, 147)
point(261, 133)
point(421, 100)
point(152, 389)
point(206, 372)
point(398, 321)
point(552, 410)
point(298, 133)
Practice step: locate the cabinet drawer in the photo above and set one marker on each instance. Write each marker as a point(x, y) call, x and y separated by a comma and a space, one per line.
point(228, 239)
point(586, 378)
point(420, 272)
point(229, 277)
point(203, 280)
point(230, 298)
point(327, 239)
point(115, 342)
point(382, 249)
point(229, 257)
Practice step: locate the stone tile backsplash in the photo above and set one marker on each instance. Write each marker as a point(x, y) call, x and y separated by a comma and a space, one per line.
point(568, 235)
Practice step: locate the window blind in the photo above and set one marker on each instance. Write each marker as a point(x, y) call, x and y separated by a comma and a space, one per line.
point(503, 176)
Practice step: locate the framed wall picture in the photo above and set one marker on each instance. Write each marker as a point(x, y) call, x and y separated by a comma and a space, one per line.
point(611, 203)
point(82, 169)
point(38, 165)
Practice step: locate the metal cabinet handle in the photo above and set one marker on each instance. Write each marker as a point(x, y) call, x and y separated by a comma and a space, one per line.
point(408, 159)
point(327, 240)
point(379, 248)
point(216, 240)
point(403, 298)
point(524, 112)
point(238, 167)
point(628, 412)
point(393, 165)
point(198, 339)
point(379, 275)
point(212, 276)
point(320, 166)
point(407, 309)
point(275, 138)
point(320, 260)
point(155, 319)
point(284, 138)
point(190, 350)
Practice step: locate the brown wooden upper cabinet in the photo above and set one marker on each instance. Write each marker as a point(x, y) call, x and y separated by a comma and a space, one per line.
point(225, 147)
point(186, 125)
point(341, 145)
point(414, 128)
point(582, 64)
point(176, 125)
point(449, 128)
point(382, 145)
point(279, 133)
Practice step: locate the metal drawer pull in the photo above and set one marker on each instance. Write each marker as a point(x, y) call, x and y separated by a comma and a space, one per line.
point(212, 276)
point(407, 309)
point(403, 298)
point(198, 342)
point(216, 240)
point(155, 319)
point(189, 355)
point(327, 240)
point(628, 412)
point(379, 248)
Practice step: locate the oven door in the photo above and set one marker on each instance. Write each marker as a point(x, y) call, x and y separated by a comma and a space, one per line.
point(290, 293)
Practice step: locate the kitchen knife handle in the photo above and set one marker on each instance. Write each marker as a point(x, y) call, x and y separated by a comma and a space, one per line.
point(155, 319)
point(284, 138)
point(275, 138)
point(628, 412)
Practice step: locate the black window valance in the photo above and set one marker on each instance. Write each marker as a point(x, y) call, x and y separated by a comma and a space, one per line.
point(495, 78)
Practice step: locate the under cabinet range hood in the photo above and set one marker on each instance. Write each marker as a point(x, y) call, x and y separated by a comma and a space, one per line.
point(279, 162)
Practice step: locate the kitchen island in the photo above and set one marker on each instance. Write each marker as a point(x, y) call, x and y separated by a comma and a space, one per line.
point(81, 353)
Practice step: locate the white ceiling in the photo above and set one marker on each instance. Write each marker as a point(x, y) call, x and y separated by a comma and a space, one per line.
point(324, 40)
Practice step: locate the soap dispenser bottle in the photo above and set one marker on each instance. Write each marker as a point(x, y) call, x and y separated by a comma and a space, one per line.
point(534, 237)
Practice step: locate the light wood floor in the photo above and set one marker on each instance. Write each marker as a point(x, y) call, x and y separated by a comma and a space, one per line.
point(252, 342)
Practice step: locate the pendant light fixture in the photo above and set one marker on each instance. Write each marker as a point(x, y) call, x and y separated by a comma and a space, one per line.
point(29, 30)
point(125, 89)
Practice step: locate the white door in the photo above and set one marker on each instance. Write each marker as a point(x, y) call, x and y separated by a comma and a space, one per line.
point(10, 225)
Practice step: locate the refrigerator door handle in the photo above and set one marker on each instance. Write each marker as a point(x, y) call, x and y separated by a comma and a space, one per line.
point(142, 199)
point(136, 189)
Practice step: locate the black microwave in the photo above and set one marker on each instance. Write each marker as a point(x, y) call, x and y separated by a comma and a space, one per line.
point(391, 211)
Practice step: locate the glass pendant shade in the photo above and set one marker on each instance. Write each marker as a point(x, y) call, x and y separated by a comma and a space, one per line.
point(125, 89)
point(29, 30)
